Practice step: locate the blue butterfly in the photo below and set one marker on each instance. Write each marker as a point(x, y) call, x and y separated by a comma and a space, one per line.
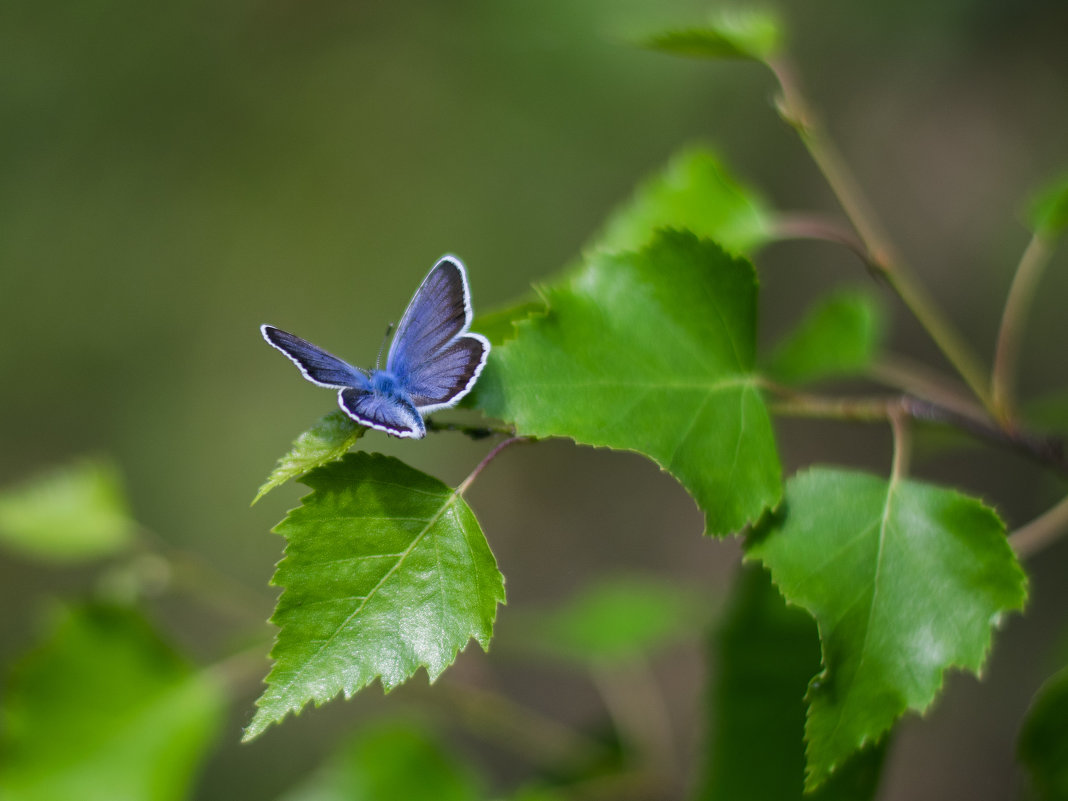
point(432, 363)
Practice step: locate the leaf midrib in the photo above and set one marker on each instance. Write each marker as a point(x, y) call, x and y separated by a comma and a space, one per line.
point(299, 672)
point(884, 523)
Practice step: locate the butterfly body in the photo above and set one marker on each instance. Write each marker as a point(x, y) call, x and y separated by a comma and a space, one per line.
point(432, 363)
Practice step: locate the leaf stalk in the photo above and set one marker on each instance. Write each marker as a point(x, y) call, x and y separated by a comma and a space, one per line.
point(1007, 350)
point(882, 256)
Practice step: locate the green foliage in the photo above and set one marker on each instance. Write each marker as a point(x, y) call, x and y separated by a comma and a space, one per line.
point(652, 352)
point(327, 440)
point(905, 580)
point(1043, 743)
point(693, 192)
point(766, 652)
point(389, 761)
point(499, 325)
point(1049, 210)
point(840, 336)
point(616, 620)
point(386, 570)
point(73, 513)
point(104, 710)
point(746, 34)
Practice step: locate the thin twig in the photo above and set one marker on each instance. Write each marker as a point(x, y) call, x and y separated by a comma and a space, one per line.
point(882, 256)
point(460, 490)
point(1048, 451)
point(814, 226)
point(1044, 530)
point(1021, 293)
point(923, 382)
point(897, 414)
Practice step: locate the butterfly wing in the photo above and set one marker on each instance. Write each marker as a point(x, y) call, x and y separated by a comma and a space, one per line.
point(432, 356)
point(314, 363)
point(390, 413)
point(449, 374)
point(439, 311)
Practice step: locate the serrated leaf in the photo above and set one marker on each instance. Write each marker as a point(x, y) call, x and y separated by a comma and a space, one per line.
point(1049, 209)
point(327, 440)
point(746, 34)
point(651, 352)
point(1043, 743)
point(904, 579)
point(498, 326)
point(386, 571)
point(391, 761)
point(76, 512)
point(693, 192)
point(106, 711)
point(841, 335)
point(616, 620)
point(765, 653)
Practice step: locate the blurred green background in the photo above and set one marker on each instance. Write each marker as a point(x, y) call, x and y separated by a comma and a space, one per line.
point(173, 176)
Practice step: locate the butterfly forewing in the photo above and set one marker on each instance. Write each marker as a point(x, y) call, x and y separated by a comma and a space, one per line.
point(432, 363)
point(394, 415)
point(449, 376)
point(318, 366)
point(439, 311)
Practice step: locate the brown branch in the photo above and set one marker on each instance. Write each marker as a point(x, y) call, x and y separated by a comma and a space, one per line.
point(1047, 451)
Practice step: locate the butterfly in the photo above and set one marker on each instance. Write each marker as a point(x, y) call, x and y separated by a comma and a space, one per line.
point(432, 363)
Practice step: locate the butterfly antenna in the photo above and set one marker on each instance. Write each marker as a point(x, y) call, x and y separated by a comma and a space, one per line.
point(382, 347)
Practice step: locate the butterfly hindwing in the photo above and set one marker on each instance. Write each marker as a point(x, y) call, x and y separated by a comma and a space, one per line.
point(439, 311)
point(316, 364)
point(393, 414)
point(432, 362)
point(443, 380)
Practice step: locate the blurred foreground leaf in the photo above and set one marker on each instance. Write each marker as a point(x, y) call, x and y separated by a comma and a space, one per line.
point(391, 761)
point(905, 580)
point(616, 620)
point(327, 440)
point(1043, 744)
point(386, 570)
point(747, 34)
point(76, 512)
point(1049, 209)
point(105, 711)
point(766, 652)
point(693, 192)
point(651, 352)
point(840, 335)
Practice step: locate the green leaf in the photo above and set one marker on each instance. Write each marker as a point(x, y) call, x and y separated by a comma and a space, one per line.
point(498, 326)
point(391, 761)
point(746, 34)
point(1043, 743)
point(616, 620)
point(765, 653)
point(692, 192)
point(651, 352)
point(106, 711)
point(77, 512)
point(386, 570)
point(326, 441)
point(841, 335)
point(1049, 209)
point(905, 580)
